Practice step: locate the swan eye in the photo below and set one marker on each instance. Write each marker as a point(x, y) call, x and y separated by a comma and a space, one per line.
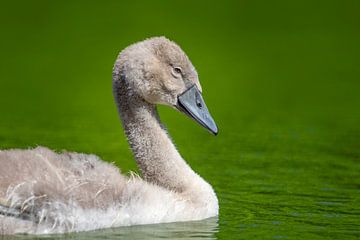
point(177, 70)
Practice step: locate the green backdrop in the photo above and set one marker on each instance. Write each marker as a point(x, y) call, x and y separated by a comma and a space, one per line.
point(281, 78)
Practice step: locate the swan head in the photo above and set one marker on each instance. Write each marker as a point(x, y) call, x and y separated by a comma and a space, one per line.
point(159, 71)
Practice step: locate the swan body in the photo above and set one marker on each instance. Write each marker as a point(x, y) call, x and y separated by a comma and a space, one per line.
point(44, 192)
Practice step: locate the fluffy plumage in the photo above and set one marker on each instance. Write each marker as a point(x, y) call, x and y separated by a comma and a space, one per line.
point(46, 192)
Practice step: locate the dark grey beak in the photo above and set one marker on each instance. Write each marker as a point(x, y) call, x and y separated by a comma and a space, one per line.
point(192, 104)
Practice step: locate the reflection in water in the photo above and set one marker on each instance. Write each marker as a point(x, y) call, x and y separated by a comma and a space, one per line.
point(205, 229)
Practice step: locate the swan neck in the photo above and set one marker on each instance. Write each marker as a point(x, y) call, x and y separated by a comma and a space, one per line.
point(154, 152)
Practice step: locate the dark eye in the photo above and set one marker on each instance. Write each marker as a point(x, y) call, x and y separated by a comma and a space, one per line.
point(177, 70)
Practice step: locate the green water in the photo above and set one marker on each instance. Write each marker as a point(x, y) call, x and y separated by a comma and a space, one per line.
point(280, 78)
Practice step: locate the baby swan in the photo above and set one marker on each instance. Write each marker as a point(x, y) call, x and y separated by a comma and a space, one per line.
point(44, 192)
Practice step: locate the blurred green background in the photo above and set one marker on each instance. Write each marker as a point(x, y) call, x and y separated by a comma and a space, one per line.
point(281, 78)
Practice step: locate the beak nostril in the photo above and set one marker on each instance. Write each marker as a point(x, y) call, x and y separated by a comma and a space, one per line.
point(198, 100)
